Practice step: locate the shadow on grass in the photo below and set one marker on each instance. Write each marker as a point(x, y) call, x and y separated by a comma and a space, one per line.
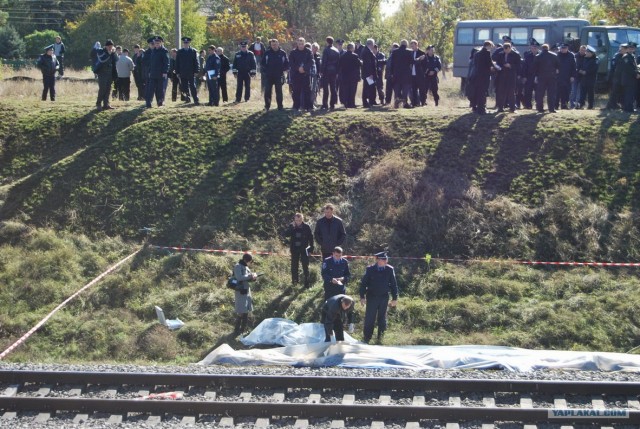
point(45, 193)
point(230, 179)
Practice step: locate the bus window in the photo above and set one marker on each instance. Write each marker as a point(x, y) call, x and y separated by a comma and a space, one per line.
point(570, 33)
point(482, 34)
point(519, 35)
point(465, 36)
point(596, 39)
point(540, 34)
point(498, 33)
point(634, 36)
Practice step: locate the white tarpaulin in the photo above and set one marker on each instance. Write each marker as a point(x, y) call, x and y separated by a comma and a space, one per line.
point(351, 354)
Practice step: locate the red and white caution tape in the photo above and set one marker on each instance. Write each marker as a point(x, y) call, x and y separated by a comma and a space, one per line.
point(414, 258)
point(31, 331)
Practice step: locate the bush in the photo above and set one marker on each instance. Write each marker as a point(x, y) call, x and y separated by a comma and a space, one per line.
point(38, 40)
point(12, 46)
point(157, 343)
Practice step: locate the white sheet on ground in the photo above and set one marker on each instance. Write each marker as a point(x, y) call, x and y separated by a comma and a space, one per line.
point(351, 354)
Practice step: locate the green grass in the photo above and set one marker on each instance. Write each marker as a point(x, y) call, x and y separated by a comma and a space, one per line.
point(76, 186)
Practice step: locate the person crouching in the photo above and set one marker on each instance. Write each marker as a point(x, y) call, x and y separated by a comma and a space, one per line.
point(334, 312)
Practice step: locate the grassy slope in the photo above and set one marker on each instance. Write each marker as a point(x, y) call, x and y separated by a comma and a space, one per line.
point(438, 181)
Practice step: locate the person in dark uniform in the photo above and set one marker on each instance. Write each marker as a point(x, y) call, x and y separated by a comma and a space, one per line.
point(107, 63)
point(187, 69)
point(158, 72)
point(615, 92)
point(173, 76)
point(480, 77)
point(301, 63)
point(589, 72)
point(244, 68)
point(224, 69)
point(388, 76)
point(274, 64)
point(358, 48)
point(418, 96)
point(432, 66)
point(335, 311)
point(138, 70)
point(335, 276)
point(566, 75)
point(508, 66)
point(48, 64)
point(301, 245)
point(146, 66)
point(629, 78)
point(546, 67)
point(378, 282)
point(349, 71)
point(369, 74)
point(381, 62)
point(528, 76)
point(213, 70)
point(401, 62)
point(494, 57)
point(329, 74)
point(329, 232)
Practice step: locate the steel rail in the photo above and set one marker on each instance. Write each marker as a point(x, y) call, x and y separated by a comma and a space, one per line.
point(300, 410)
point(313, 382)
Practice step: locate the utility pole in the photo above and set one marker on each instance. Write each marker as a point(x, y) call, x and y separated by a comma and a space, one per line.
point(117, 16)
point(178, 24)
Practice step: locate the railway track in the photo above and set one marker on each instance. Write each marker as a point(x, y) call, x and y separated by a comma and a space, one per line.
point(261, 401)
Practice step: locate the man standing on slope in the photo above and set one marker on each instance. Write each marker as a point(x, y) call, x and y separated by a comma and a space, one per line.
point(329, 232)
point(378, 282)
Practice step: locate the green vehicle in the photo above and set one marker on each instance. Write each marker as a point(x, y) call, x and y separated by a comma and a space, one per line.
point(606, 39)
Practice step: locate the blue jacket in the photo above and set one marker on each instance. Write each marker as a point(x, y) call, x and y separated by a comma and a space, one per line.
point(159, 63)
point(333, 270)
point(379, 282)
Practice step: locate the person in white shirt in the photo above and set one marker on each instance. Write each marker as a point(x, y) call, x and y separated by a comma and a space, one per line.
point(124, 68)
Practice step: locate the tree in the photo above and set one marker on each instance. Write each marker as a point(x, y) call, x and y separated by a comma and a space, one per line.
point(623, 12)
point(246, 19)
point(11, 44)
point(340, 17)
point(36, 41)
point(38, 15)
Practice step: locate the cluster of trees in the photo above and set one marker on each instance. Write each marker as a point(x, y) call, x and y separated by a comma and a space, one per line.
point(28, 25)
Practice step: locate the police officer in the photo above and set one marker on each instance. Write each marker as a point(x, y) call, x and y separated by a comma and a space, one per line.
point(566, 75)
point(107, 59)
point(334, 312)
point(274, 64)
point(527, 73)
point(48, 63)
point(244, 68)
point(300, 245)
point(146, 66)
point(508, 66)
point(629, 77)
point(381, 62)
point(369, 74)
point(158, 72)
point(546, 67)
point(335, 276)
point(615, 92)
point(301, 63)
point(213, 70)
point(329, 231)
point(187, 69)
point(480, 77)
point(432, 66)
point(378, 282)
point(589, 71)
point(349, 71)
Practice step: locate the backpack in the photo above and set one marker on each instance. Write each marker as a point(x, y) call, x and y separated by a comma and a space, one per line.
point(97, 65)
point(232, 283)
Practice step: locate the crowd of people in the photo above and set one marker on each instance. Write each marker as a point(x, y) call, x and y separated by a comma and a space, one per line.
point(567, 79)
point(377, 291)
point(405, 76)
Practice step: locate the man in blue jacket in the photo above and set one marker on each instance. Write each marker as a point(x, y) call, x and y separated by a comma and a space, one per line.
point(378, 282)
point(158, 72)
point(274, 64)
